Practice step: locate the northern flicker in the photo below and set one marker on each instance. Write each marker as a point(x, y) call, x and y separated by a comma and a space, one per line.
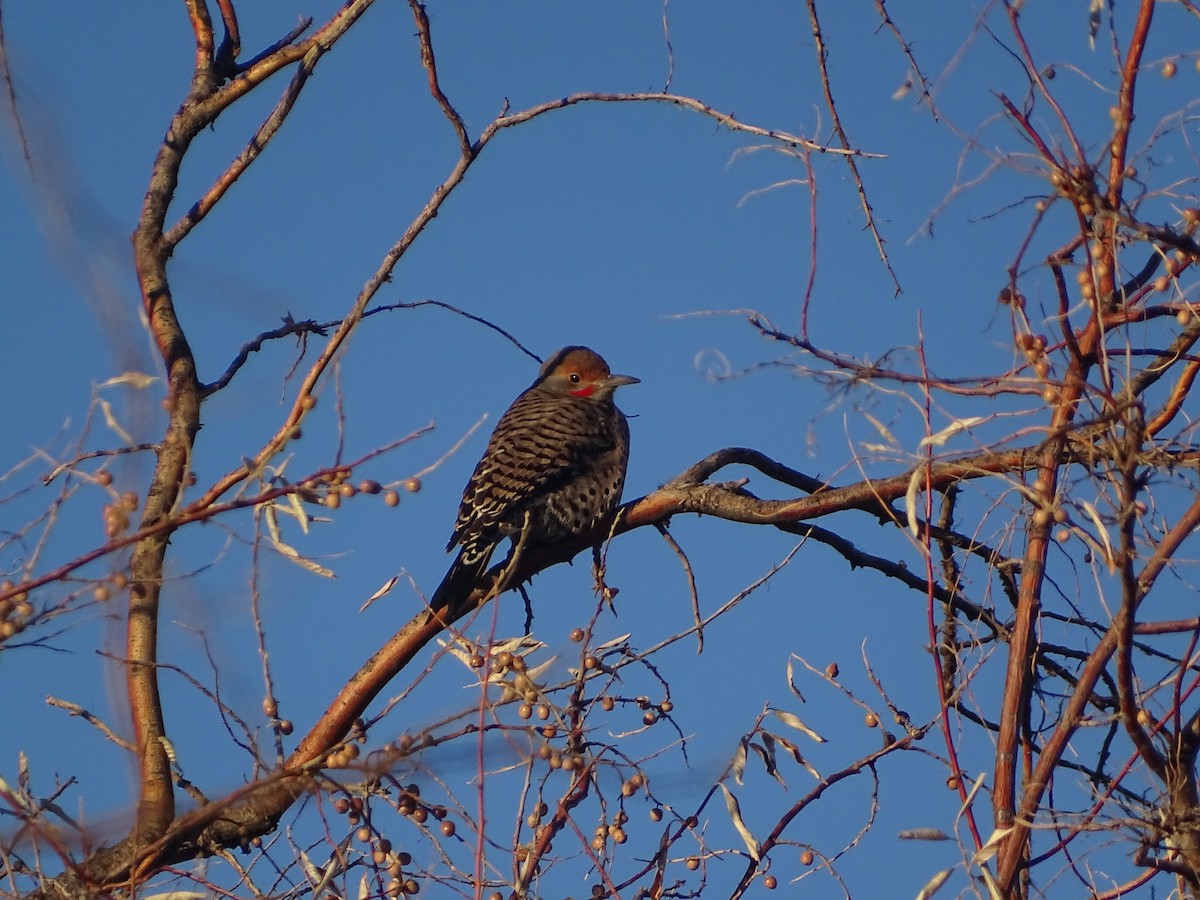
point(554, 466)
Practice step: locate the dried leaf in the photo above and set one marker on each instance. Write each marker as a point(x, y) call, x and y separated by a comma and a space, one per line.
point(608, 645)
point(955, 427)
point(910, 501)
point(767, 752)
point(139, 380)
point(15, 797)
point(111, 421)
point(800, 760)
point(793, 721)
point(990, 847)
point(735, 813)
point(934, 884)
point(791, 679)
point(537, 670)
point(312, 872)
point(883, 430)
point(993, 888)
point(382, 592)
point(298, 511)
point(1109, 558)
point(460, 650)
point(289, 552)
point(272, 520)
point(738, 765)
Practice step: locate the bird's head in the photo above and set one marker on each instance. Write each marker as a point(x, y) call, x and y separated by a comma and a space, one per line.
point(580, 372)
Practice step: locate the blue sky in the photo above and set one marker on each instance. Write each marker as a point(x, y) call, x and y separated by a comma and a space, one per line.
point(599, 224)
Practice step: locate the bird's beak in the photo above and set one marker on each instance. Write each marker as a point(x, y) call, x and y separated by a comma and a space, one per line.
point(616, 381)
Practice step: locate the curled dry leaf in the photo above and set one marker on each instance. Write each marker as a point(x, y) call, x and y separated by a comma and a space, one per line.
point(934, 884)
point(910, 501)
point(793, 721)
point(735, 813)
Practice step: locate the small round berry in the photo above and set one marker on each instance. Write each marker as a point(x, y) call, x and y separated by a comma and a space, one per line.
point(448, 828)
point(576, 635)
point(806, 858)
point(412, 485)
point(391, 498)
point(871, 720)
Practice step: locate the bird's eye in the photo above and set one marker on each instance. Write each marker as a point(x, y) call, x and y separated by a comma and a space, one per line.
point(575, 378)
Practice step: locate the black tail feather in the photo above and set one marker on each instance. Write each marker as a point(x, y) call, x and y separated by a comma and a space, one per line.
point(463, 575)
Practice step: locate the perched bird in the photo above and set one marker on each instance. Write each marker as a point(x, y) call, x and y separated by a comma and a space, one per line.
point(554, 467)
